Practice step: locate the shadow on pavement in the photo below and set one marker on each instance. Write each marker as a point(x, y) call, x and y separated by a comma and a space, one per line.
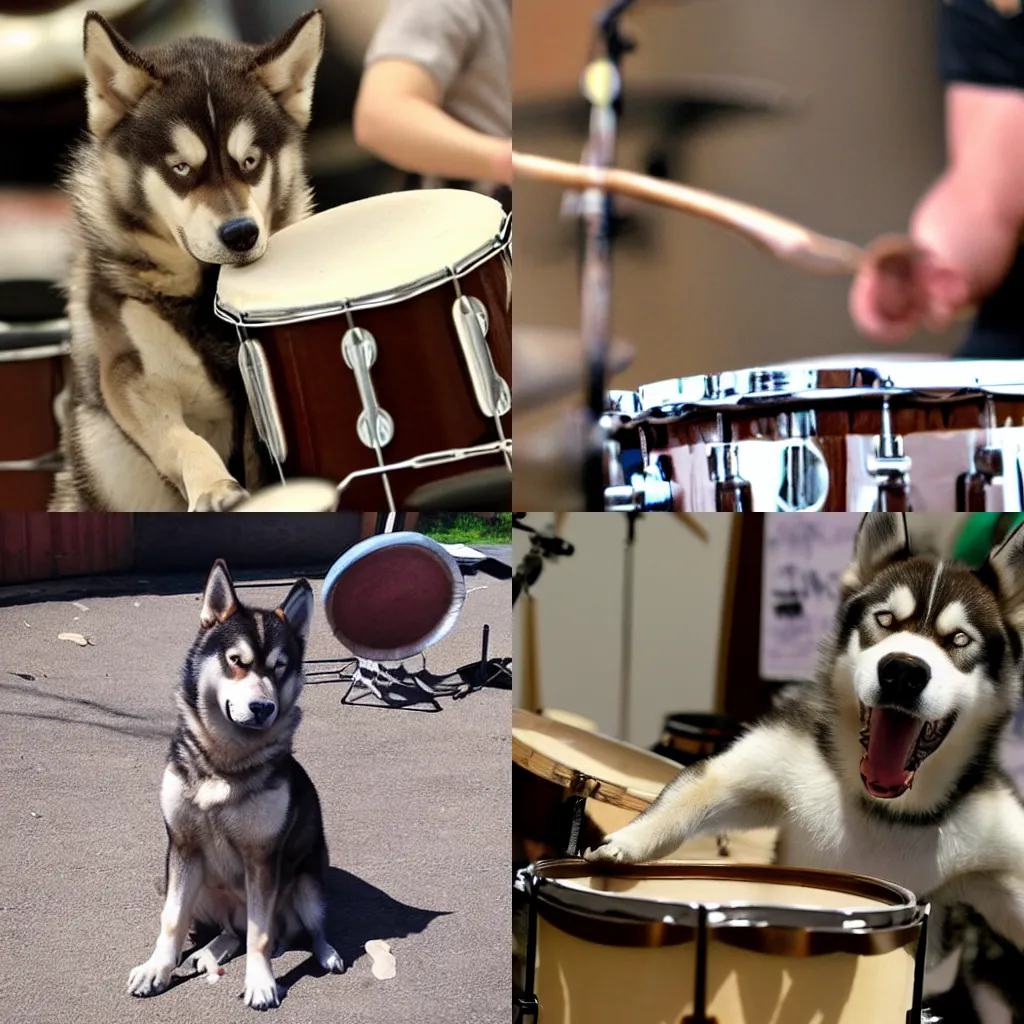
point(356, 913)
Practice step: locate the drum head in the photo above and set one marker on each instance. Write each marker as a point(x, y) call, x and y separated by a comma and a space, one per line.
point(618, 773)
point(294, 496)
point(376, 251)
point(390, 597)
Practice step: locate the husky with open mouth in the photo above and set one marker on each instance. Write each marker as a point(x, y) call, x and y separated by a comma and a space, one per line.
point(889, 764)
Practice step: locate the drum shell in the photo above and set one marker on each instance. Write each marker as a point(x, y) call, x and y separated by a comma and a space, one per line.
point(605, 969)
point(689, 737)
point(28, 428)
point(420, 378)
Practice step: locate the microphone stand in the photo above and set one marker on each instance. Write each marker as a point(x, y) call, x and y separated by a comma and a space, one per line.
point(542, 547)
point(601, 86)
point(626, 664)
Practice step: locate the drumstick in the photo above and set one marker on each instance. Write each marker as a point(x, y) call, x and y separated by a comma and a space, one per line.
point(785, 239)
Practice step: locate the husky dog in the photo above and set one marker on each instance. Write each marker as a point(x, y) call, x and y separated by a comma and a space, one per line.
point(246, 852)
point(889, 764)
point(194, 158)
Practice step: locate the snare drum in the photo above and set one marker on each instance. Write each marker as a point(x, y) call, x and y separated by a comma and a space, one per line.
point(31, 383)
point(854, 435)
point(707, 943)
point(376, 343)
point(571, 787)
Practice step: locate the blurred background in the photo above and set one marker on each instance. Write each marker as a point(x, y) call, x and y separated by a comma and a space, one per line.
point(826, 113)
point(42, 114)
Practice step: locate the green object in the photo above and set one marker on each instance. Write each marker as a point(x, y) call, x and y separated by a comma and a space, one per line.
point(979, 535)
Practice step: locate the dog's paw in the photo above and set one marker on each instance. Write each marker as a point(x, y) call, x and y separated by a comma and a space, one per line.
point(329, 959)
point(261, 991)
point(615, 850)
point(223, 496)
point(150, 978)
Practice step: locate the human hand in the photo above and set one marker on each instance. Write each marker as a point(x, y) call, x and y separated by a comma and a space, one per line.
point(900, 287)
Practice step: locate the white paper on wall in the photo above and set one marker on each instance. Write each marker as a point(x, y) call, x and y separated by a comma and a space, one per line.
point(805, 553)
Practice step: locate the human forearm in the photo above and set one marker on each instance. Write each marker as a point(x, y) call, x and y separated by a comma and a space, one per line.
point(967, 232)
point(415, 135)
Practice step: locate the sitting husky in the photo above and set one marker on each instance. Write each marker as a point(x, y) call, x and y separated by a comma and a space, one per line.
point(194, 158)
point(246, 851)
point(889, 764)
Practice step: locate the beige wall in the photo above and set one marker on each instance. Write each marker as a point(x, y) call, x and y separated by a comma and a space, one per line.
point(864, 141)
point(679, 586)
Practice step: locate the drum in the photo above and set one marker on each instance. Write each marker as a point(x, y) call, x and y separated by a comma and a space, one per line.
point(31, 382)
point(296, 496)
point(689, 737)
point(718, 944)
point(854, 435)
point(571, 787)
point(390, 597)
point(376, 343)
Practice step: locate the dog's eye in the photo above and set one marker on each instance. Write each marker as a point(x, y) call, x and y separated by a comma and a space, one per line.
point(960, 639)
point(251, 160)
point(182, 170)
point(281, 665)
point(885, 619)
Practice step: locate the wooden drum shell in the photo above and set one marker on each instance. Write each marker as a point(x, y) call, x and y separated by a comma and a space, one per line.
point(420, 378)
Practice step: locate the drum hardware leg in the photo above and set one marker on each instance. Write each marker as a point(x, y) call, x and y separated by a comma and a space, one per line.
point(700, 981)
point(526, 1003)
point(577, 807)
point(916, 1014)
point(51, 462)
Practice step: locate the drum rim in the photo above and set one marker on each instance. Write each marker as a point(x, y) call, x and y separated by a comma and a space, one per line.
point(32, 333)
point(735, 390)
point(371, 545)
point(581, 783)
point(617, 919)
point(401, 293)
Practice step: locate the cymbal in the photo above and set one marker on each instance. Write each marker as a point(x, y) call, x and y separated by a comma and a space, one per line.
point(549, 363)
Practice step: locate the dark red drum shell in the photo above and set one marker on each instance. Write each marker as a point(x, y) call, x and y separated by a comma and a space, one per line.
point(28, 429)
point(420, 378)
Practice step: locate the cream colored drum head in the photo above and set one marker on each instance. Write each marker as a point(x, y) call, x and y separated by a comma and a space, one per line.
point(294, 496)
point(616, 772)
point(876, 358)
point(379, 245)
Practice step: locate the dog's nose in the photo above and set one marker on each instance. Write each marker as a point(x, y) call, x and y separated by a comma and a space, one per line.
point(239, 235)
point(261, 710)
point(903, 677)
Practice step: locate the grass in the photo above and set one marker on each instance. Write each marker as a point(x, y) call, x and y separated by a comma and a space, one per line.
point(467, 528)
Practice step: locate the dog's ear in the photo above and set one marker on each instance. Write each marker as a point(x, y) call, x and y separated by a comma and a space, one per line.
point(287, 66)
point(219, 600)
point(1005, 570)
point(297, 608)
point(883, 538)
point(116, 76)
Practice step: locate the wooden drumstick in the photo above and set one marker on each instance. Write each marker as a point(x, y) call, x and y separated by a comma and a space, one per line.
point(785, 239)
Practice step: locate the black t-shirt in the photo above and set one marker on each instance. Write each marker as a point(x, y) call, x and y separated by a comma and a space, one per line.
point(981, 45)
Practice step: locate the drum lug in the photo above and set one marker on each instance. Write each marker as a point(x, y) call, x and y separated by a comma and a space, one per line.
point(527, 1007)
point(259, 388)
point(375, 426)
point(890, 467)
point(493, 394)
point(649, 491)
point(732, 492)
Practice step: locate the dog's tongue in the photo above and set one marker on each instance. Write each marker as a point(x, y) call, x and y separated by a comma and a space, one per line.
point(890, 741)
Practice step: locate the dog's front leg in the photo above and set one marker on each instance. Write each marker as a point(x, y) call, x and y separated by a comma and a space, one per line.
point(736, 790)
point(184, 880)
point(998, 897)
point(147, 405)
point(261, 991)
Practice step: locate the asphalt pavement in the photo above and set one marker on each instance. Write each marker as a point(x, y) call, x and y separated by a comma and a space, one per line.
point(416, 809)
